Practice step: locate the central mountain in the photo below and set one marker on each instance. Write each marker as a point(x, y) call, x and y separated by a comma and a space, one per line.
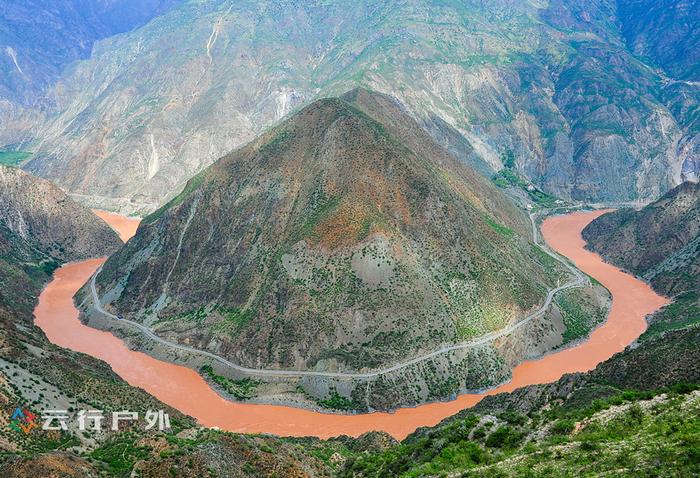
point(342, 239)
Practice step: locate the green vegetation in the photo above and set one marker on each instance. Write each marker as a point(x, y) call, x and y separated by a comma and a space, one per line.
point(13, 158)
point(578, 313)
point(504, 437)
point(338, 402)
point(509, 177)
point(49, 266)
point(197, 315)
point(508, 159)
point(120, 453)
point(324, 209)
point(241, 389)
point(683, 312)
point(600, 423)
point(551, 266)
point(276, 144)
point(633, 433)
point(234, 319)
point(499, 228)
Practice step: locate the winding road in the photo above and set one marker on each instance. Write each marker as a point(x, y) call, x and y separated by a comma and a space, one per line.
point(579, 280)
point(186, 390)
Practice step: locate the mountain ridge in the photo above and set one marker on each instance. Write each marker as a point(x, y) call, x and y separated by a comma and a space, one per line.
point(659, 242)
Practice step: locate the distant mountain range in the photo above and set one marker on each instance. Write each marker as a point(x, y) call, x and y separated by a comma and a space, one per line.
point(595, 101)
point(40, 38)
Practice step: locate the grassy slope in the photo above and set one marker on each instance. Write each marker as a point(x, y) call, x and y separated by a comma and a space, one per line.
point(13, 158)
point(629, 434)
point(632, 416)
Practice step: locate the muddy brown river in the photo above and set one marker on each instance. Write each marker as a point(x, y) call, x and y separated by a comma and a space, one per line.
point(185, 390)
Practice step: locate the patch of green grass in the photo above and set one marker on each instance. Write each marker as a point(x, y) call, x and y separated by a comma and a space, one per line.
point(13, 158)
point(499, 228)
point(241, 389)
point(507, 177)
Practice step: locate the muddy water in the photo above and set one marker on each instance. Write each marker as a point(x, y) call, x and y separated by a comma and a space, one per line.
point(185, 390)
point(125, 226)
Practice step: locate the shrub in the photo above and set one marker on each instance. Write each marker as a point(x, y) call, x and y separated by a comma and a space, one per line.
point(504, 437)
point(562, 427)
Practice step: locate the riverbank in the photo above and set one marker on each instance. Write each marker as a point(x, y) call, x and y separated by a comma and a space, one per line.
point(185, 390)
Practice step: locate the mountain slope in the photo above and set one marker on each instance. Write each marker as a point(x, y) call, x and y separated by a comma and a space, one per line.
point(555, 86)
point(38, 375)
point(661, 243)
point(327, 244)
point(34, 373)
point(635, 415)
point(667, 32)
point(40, 38)
point(36, 212)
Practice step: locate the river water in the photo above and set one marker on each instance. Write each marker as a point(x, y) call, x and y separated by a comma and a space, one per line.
point(185, 390)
